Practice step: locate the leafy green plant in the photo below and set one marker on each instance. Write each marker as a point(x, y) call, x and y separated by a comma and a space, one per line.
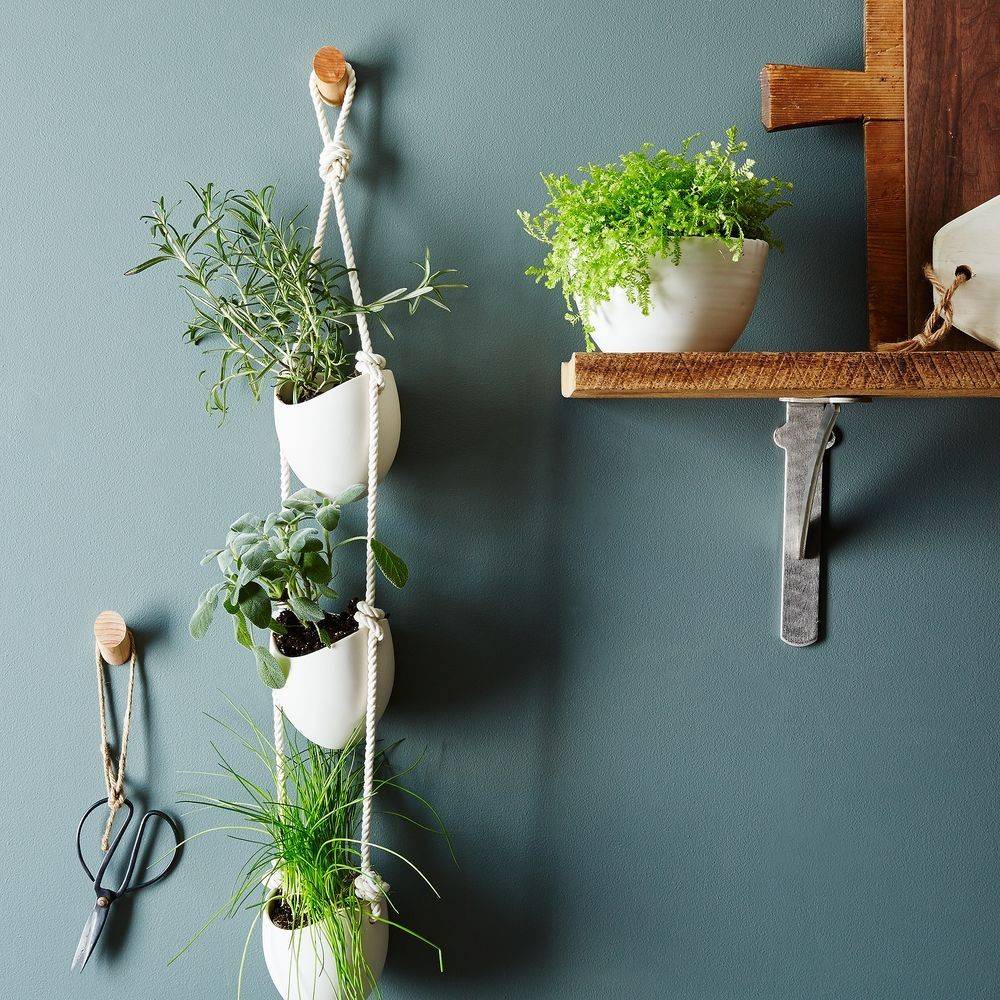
point(311, 840)
point(604, 230)
point(265, 304)
point(285, 558)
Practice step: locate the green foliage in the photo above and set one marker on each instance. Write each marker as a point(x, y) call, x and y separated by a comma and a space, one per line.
point(265, 305)
point(285, 558)
point(311, 840)
point(604, 230)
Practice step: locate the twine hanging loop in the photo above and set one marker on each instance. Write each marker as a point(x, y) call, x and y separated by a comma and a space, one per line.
point(940, 321)
point(114, 775)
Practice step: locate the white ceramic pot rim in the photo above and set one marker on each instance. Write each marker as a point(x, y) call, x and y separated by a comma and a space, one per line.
point(319, 395)
point(343, 638)
point(277, 894)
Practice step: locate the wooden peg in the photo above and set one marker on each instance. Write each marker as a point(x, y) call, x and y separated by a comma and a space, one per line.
point(113, 637)
point(331, 72)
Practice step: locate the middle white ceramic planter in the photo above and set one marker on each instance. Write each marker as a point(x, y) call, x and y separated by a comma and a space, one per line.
point(301, 962)
point(325, 439)
point(701, 304)
point(325, 692)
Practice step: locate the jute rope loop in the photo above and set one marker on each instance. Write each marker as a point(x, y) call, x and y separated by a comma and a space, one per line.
point(114, 776)
point(939, 322)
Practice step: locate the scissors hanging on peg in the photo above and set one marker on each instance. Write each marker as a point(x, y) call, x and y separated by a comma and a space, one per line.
point(106, 896)
point(115, 645)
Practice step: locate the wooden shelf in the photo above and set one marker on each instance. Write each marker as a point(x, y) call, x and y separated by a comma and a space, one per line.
point(764, 375)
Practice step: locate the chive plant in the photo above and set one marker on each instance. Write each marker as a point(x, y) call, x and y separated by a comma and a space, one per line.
point(310, 840)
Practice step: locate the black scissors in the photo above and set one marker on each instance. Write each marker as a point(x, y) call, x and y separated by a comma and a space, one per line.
point(105, 897)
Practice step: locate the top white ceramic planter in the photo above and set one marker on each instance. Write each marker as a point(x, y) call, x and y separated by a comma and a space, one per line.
point(325, 439)
point(701, 304)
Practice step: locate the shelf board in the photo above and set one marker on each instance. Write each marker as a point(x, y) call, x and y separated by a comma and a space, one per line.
point(766, 375)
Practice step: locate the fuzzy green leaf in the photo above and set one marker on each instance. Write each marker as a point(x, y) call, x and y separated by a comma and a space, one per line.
point(242, 630)
point(329, 517)
point(306, 610)
point(393, 568)
point(351, 494)
point(201, 620)
point(268, 667)
point(255, 604)
point(316, 568)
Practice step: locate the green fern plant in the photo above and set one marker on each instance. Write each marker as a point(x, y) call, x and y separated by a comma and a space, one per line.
point(603, 231)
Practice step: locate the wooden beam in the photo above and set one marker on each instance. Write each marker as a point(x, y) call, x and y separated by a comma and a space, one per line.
point(795, 96)
point(952, 126)
point(743, 375)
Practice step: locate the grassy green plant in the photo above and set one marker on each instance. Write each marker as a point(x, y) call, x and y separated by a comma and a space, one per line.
point(603, 231)
point(264, 305)
point(285, 558)
point(311, 840)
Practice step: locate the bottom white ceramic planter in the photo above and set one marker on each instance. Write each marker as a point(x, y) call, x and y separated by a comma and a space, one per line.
point(325, 439)
point(301, 962)
point(701, 304)
point(325, 692)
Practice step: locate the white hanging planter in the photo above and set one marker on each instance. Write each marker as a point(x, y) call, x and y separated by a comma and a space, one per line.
point(301, 962)
point(701, 304)
point(325, 692)
point(325, 439)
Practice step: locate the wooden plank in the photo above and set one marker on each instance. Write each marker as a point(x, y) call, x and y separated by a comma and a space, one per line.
point(794, 96)
point(740, 375)
point(952, 97)
point(885, 192)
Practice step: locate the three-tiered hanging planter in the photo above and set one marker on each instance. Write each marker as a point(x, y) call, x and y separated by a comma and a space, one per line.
point(337, 421)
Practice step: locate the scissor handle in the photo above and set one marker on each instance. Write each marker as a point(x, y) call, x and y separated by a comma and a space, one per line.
point(96, 879)
point(124, 887)
point(147, 816)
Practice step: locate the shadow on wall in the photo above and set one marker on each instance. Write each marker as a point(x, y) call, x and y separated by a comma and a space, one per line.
point(495, 484)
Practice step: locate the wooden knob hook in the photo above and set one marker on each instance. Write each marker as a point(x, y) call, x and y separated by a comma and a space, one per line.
point(331, 73)
point(113, 637)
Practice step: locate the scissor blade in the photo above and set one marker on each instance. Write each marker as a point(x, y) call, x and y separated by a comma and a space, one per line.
point(91, 932)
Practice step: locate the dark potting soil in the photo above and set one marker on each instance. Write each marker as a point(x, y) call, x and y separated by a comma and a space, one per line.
point(301, 639)
point(306, 393)
point(282, 915)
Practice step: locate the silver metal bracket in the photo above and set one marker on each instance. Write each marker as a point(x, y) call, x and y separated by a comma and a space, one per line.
point(806, 435)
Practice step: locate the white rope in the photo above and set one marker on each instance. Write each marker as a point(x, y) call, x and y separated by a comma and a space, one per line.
point(334, 166)
point(280, 753)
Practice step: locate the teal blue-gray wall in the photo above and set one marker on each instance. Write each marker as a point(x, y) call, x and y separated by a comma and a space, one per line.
point(649, 794)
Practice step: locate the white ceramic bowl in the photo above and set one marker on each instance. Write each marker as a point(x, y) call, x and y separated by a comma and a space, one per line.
point(325, 439)
point(301, 962)
point(325, 692)
point(701, 304)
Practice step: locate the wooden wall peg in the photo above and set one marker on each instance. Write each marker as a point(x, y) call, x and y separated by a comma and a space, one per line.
point(113, 637)
point(331, 74)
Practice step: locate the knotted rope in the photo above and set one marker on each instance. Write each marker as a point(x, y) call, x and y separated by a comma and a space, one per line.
point(114, 777)
point(939, 322)
point(334, 167)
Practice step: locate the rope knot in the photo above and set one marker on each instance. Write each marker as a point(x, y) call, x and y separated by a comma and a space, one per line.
point(371, 618)
point(370, 887)
point(366, 363)
point(335, 162)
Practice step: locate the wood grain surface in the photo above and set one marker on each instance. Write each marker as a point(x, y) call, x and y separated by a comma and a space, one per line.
point(749, 374)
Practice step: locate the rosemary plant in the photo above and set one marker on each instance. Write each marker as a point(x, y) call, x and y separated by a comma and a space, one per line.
point(265, 304)
point(311, 841)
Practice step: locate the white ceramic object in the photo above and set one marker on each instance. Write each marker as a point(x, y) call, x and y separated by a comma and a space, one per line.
point(325, 692)
point(325, 439)
point(301, 962)
point(973, 241)
point(701, 304)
